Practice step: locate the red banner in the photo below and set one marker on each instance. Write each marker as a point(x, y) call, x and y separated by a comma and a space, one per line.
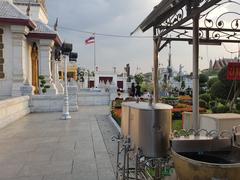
point(233, 71)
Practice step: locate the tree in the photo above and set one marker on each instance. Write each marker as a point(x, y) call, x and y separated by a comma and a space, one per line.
point(203, 79)
point(219, 90)
point(222, 76)
point(203, 83)
point(139, 78)
point(146, 87)
point(211, 82)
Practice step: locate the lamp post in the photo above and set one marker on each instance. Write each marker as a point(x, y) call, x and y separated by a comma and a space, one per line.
point(66, 50)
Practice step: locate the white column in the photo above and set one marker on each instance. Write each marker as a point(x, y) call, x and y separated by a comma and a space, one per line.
point(125, 84)
point(19, 46)
point(59, 86)
point(86, 78)
point(45, 64)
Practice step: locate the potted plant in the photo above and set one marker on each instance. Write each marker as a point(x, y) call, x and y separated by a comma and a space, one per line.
point(43, 85)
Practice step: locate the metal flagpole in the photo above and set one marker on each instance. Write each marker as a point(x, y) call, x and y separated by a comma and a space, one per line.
point(196, 123)
point(94, 69)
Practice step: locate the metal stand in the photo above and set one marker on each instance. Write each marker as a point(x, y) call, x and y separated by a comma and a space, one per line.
point(143, 165)
point(65, 114)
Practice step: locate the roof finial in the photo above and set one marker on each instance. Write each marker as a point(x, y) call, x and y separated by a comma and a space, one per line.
point(28, 8)
point(56, 25)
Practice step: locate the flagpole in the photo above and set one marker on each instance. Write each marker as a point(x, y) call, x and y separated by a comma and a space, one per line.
point(94, 69)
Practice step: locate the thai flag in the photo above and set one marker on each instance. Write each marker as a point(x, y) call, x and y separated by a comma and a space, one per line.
point(90, 40)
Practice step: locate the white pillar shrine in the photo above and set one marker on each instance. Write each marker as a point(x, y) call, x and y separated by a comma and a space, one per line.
point(45, 64)
point(20, 59)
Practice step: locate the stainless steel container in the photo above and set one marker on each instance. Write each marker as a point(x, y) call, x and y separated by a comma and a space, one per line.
point(148, 127)
point(208, 165)
point(201, 144)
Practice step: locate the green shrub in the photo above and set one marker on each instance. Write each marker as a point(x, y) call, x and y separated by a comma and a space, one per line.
point(43, 85)
point(118, 103)
point(43, 82)
point(170, 98)
point(238, 106)
point(223, 101)
point(203, 103)
point(212, 104)
point(220, 109)
point(219, 90)
point(211, 82)
point(44, 90)
point(202, 90)
point(41, 77)
point(177, 125)
point(206, 97)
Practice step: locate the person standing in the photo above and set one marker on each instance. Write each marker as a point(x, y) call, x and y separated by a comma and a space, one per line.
point(133, 90)
point(138, 90)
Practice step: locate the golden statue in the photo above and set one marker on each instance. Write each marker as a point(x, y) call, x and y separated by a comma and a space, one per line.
point(35, 68)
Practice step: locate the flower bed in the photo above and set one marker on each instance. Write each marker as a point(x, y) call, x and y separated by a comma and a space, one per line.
point(180, 108)
point(117, 115)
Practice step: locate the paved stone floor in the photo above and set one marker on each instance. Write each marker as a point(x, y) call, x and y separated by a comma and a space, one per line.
point(42, 147)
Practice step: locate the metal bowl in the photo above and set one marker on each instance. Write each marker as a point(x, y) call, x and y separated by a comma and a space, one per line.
point(208, 165)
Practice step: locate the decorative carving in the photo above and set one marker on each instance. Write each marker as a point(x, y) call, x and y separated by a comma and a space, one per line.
point(218, 23)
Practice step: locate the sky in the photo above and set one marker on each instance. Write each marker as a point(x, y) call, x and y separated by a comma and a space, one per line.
point(120, 17)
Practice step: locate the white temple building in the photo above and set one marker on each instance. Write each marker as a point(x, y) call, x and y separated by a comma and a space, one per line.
point(108, 80)
point(27, 44)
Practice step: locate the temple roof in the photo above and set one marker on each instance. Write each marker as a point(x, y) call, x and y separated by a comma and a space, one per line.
point(219, 64)
point(8, 10)
point(43, 28)
point(10, 14)
point(43, 31)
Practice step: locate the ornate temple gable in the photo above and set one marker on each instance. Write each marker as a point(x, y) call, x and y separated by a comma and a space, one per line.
point(33, 3)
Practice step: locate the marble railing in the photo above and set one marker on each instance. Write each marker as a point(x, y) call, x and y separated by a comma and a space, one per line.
point(54, 103)
point(13, 109)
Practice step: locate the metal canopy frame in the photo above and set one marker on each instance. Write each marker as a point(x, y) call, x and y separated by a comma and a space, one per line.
point(171, 22)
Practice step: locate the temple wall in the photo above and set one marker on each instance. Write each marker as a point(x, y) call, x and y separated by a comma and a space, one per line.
point(6, 82)
point(93, 98)
point(13, 109)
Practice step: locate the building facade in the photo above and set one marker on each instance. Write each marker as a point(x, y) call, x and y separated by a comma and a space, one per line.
point(27, 46)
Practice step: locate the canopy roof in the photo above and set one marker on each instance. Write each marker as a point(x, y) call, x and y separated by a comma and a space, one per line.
point(161, 12)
